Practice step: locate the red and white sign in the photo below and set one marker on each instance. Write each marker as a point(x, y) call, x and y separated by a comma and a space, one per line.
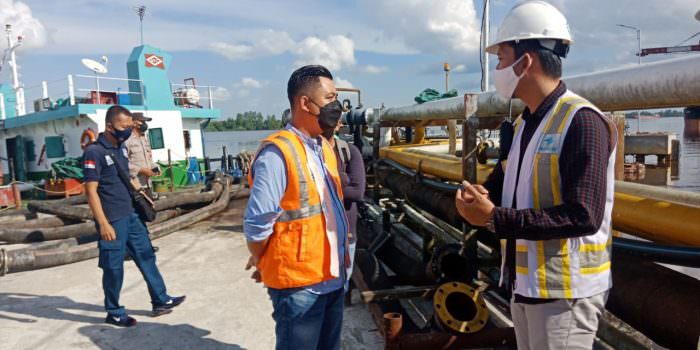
point(154, 61)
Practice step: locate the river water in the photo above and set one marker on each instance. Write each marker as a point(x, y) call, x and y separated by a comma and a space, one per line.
point(687, 177)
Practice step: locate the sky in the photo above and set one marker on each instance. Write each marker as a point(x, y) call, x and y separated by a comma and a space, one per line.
point(390, 49)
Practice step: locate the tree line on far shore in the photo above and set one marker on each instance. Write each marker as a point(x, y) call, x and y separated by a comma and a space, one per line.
point(246, 121)
point(667, 113)
point(256, 121)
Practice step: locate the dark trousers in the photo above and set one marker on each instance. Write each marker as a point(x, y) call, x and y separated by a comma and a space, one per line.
point(305, 320)
point(132, 237)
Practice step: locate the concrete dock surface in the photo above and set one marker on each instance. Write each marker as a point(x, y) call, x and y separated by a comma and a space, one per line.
point(62, 307)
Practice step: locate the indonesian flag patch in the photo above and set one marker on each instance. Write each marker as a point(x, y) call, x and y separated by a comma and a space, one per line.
point(89, 164)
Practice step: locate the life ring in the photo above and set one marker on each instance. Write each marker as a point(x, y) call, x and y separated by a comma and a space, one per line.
point(87, 138)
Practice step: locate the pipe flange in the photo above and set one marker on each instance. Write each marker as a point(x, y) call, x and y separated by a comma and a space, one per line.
point(3, 262)
point(460, 308)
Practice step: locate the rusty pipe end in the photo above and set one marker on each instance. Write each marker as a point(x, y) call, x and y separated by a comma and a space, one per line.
point(393, 322)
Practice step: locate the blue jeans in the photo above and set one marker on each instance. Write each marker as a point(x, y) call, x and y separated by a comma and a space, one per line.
point(305, 320)
point(132, 236)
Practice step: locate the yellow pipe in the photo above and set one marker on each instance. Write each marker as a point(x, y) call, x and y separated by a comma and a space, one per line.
point(443, 168)
point(656, 220)
point(418, 135)
point(653, 219)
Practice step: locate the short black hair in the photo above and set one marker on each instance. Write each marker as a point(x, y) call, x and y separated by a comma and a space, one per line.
point(115, 111)
point(550, 62)
point(304, 79)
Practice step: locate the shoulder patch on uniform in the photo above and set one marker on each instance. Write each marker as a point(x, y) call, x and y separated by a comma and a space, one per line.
point(89, 164)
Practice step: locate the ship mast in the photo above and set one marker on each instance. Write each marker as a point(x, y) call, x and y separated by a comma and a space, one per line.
point(19, 90)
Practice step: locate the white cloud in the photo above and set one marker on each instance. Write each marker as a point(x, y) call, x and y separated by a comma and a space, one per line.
point(262, 43)
point(19, 15)
point(459, 68)
point(340, 82)
point(372, 69)
point(221, 93)
point(242, 88)
point(251, 83)
point(448, 27)
point(334, 52)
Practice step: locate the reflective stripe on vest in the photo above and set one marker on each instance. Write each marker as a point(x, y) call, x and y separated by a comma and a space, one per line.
point(553, 258)
point(305, 210)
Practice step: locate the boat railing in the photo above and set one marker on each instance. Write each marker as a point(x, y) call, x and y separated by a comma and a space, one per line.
point(194, 96)
point(93, 89)
point(83, 89)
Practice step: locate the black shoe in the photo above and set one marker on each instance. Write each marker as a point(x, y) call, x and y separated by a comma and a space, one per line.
point(162, 309)
point(155, 249)
point(122, 321)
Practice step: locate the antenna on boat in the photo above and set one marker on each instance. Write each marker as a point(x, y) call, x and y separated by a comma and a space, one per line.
point(97, 68)
point(141, 12)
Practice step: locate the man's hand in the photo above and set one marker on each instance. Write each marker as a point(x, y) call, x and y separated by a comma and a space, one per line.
point(252, 262)
point(107, 232)
point(473, 204)
point(146, 172)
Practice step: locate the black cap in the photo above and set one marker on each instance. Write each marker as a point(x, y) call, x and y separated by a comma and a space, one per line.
point(140, 116)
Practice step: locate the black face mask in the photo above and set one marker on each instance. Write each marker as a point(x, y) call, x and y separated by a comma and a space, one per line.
point(329, 115)
point(143, 127)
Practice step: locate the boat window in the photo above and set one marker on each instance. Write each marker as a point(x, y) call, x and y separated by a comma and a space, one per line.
point(155, 136)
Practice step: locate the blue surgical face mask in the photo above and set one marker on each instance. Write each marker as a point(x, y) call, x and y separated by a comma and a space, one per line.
point(121, 135)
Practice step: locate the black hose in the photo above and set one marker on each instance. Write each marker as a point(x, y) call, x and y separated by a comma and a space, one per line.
point(432, 183)
point(682, 256)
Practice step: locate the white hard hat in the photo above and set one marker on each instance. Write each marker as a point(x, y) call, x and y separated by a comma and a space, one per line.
point(533, 19)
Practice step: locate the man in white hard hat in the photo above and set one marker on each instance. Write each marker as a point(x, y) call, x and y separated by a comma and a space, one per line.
point(554, 194)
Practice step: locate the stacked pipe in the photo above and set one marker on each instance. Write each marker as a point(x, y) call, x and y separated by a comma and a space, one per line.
point(80, 243)
point(641, 287)
point(662, 84)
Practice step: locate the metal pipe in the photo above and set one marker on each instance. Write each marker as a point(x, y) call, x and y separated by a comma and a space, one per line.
point(484, 42)
point(659, 193)
point(661, 84)
point(661, 303)
point(71, 90)
point(444, 168)
point(432, 183)
point(359, 94)
point(487, 338)
point(452, 132)
point(682, 256)
point(659, 221)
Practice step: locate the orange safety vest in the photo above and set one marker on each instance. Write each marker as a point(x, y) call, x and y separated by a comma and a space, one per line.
point(298, 252)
